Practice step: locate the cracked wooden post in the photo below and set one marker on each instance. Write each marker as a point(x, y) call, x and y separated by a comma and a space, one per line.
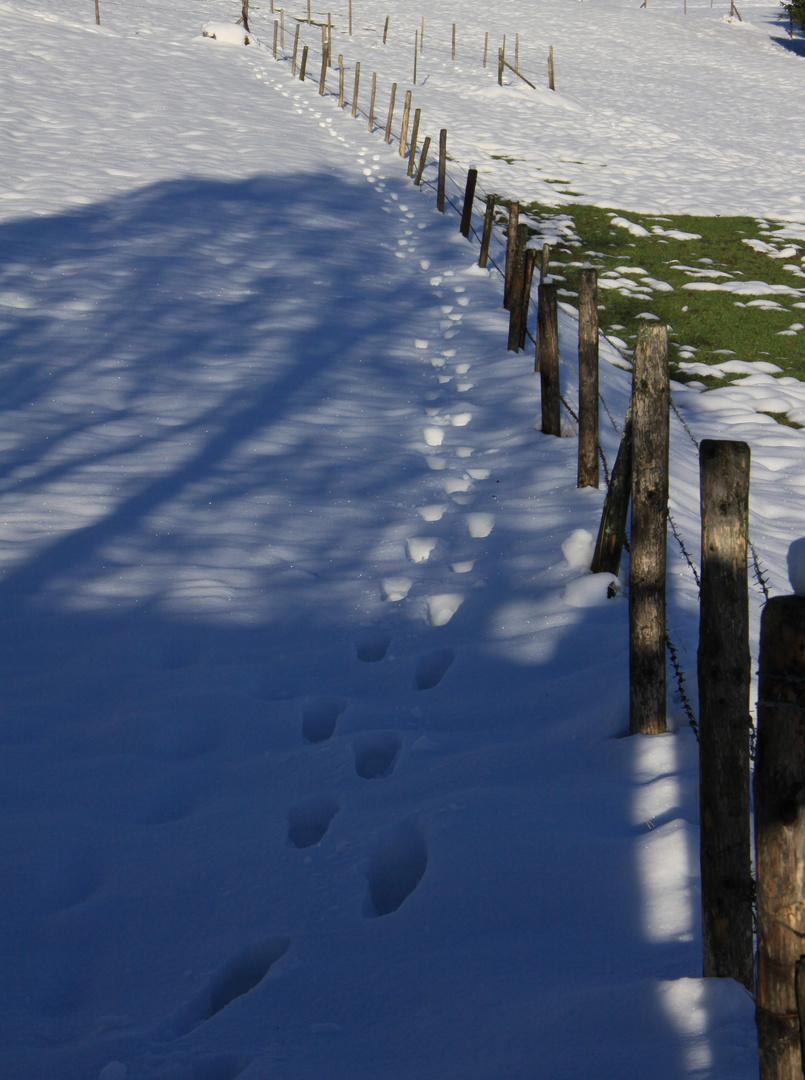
point(489, 216)
point(587, 475)
point(779, 787)
point(442, 170)
point(548, 359)
point(651, 399)
point(511, 243)
point(724, 671)
point(469, 198)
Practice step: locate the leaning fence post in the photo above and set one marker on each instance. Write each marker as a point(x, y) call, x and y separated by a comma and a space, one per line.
point(724, 670)
point(442, 169)
point(650, 449)
point(548, 349)
point(779, 784)
point(391, 111)
point(511, 243)
point(295, 50)
point(528, 277)
point(323, 76)
point(303, 65)
point(405, 121)
point(516, 294)
point(489, 214)
point(355, 91)
point(469, 197)
point(587, 475)
point(414, 137)
point(423, 157)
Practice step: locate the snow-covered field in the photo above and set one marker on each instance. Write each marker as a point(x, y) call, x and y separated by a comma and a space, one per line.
point(312, 714)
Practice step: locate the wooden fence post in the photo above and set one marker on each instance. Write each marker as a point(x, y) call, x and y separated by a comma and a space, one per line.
point(276, 28)
point(244, 14)
point(454, 41)
point(340, 81)
point(551, 81)
point(405, 121)
point(323, 76)
point(372, 102)
point(329, 40)
point(385, 30)
point(724, 668)
point(414, 137)
point(516, 293)
point(355, 91)
point(500, 67)
point(588, 379)
point(469, 198)
point(303, 65)
point(350, 18)
point(295, 50)
point(548, 351)
point(309, 20)
point(391, 111)
point(779, 785)
point(97, 13)
point(528, 277)
point(422, 159)
point(416, 50)
point(650, 450)
point(612, 530)
point(546, 261)
point(486, 46)
point(511, 243)
point(489, 215)
point(442, 169)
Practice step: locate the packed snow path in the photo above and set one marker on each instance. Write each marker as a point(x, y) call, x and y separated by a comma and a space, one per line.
point(311, 712)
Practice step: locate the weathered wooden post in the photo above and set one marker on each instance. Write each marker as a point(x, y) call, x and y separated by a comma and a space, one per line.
point(244, 14)
point(405, 121)
point(422, 159)
point(516, 294)
point(511, 244)
point(323, 76)
point(469, 198)
point(372, 102)
point(779, 787)
point(416, 50)
point(500, 67)
point(391, 112)
point(489, 214)
point(276, 30)
point(546, 262)
point(454, 41)
point(612, 530)
point(97, 13)
point(295, 50)
point(340, 81)
point(486, 46)
point(724, 724)
point(548, 359)
point(588, 378)
point(442, 169)
point(528, 277)
point(650, 450)
point(551, 81)
point(355, 91)
point(386, 30)
point(414, 137)
point(303, 65)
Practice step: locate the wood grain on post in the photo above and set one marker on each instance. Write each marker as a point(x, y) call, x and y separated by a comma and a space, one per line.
point(588, 379)
point(276, 28)
point(323, 76)
point(391, 111)
point(551, 81)
point(528, 277)
point(779, 788)
point(546, 262)
point(469, 199)
point(97, 13)
point(724, 669)
point(548, 346)
point(405, 122)
point(422, 159)
point(650, 449)
point(340, 81)
point(303, 65)
point(295, 50)
point(500, 67)
point(442, 170)
point(511, 243)
point(516, 294)
point(414, 137)
point(486, 235)
point(372, 102)
point(355, 91)
point(612, 530)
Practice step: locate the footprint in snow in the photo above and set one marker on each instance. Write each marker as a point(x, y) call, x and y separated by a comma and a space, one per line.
point(419, 548)
point(397, 863)
point(394, 589)
point(376, 754)
point(431, 668)
point(373, 646)
point(480, 525)
point(319, 718)
point(442, 607)
point(309, 821)
point(434, 512)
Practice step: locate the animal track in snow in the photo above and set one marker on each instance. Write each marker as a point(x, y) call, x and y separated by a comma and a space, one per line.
point(442, 607)
point(433, 512)
point(461, 419)
point(376, 754)
point(235, 979)
point(319, 718)
point(397, 863)
point(394, 589)
point(431, 668)
point(309, 821)
point(457, 484)
point(418, 548)
point(434, 436)
point(373, 646)
point(480, 525)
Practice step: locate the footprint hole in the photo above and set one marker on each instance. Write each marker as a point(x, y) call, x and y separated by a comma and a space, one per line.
point(372, 648)
point(309, 821)
point(431, 668)
point(397, 864)
point(319, 718)
point(376, 754)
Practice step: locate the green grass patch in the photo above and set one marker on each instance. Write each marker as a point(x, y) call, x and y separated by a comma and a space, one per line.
point(706, 326)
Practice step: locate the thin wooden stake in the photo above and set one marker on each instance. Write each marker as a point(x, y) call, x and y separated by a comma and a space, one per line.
point(724, 671)
point(276, 29)
point(486, 46)
point(551, 81)
point(442, 169)
point(244, 15)
point(489, 216)
point(511, 244)
point(350, 18)
point(415, 53)
point(355, 91)
point(546, 262)
point(97, 13)
point(372, 102)
point(517, 283)
point(308, 12)
point(405, 121)
point(587, 475)
point(385, 30)
point(295, 50)
point(303, 65)
point(612, 531)
point(414, 137)
point(423, 158)
point(469, 198)
point(391, 111)
point(454, 41)
point(340, 81)
point(323, 76)
point(282, 28)
point(650, 442)
point(548, 344)
point(779, 782)
point(501, 62)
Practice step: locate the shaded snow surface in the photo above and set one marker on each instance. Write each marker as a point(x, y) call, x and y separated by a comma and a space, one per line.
point(312, 713)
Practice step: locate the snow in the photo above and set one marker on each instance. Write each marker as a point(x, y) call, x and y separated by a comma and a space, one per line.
point(313, 714)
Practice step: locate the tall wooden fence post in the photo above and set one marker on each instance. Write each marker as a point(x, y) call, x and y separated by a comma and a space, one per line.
point(724, 676)
point(588, 378)
point(357, 86)
point(489, 214)
point(551, 80)
point(469, 198)
point(651, 399)
point(323, 76)
point(295, 50)
point(423, 157)
point(442, 170)
point(779, 787)
point(303, 65)
point(511, 244)
point(612, 530)
point(516, 294)
point(372, 102)
point(276, 29)
point(391, 111)
point(405, 121)
point(97, 13)
point(414, 137)
point(528, 277)
point(548, 346)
